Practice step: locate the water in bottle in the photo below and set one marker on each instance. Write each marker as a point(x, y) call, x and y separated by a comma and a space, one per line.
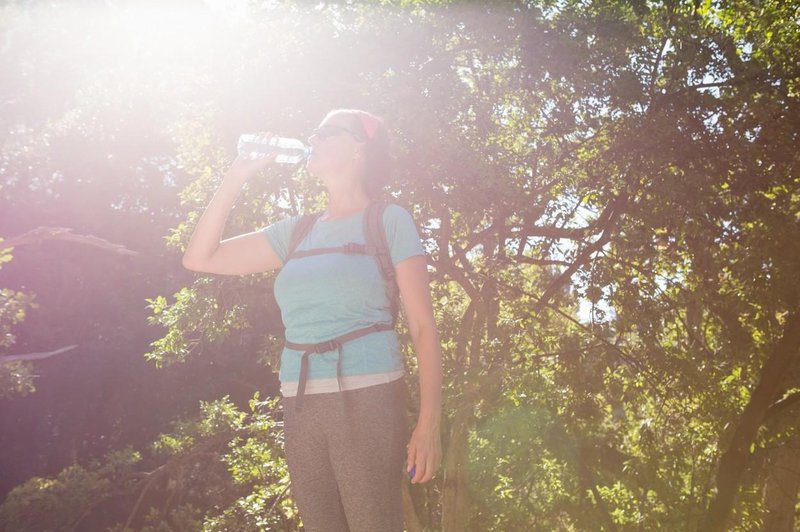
point(290, 151)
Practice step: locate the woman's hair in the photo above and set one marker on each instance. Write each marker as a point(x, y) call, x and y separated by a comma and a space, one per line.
point(378, 160)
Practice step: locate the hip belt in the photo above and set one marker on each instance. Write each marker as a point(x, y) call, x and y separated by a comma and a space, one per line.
point(324, 347)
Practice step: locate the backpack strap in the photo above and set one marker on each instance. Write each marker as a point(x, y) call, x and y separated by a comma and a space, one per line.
point(351, 248)
point(299, 232)
point(375, 236)
point(376, 245)
point(324, 347)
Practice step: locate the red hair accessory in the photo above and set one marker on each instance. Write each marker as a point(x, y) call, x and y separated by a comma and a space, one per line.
point(370, 124)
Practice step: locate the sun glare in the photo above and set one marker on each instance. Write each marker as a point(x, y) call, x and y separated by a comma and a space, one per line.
point(144, 35)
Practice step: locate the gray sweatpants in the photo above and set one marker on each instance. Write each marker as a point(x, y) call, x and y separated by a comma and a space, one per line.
point(346, 457)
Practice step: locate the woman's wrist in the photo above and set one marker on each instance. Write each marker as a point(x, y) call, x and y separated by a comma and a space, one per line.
point(237, 175)
point(430, 420)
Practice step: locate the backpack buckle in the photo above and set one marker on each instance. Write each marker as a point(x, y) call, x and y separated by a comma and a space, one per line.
point(324, 347)
point(351, 248)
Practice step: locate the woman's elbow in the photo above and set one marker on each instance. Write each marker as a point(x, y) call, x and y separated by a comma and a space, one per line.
point(187, 266)
point(191, 263)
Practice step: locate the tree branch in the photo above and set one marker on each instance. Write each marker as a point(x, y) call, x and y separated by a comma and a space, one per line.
point(780, 406)
point(35, 356)
point(64, 233)
point(609, 215)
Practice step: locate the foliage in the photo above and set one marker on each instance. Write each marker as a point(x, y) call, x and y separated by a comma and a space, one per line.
point(51, 504)
point(222, 471)
point(608, 194)
point(16, 378)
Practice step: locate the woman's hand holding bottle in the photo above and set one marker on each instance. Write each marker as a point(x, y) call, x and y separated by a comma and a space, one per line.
point(244, 167)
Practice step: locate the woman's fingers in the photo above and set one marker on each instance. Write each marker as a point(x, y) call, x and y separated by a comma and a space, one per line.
point(431, 467)
point(425, 468)
point(251, 166)
point(422, 461)
point(417, 470)
point(411, 457)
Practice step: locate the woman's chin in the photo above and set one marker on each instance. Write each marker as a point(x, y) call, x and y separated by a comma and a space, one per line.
point(318, 170)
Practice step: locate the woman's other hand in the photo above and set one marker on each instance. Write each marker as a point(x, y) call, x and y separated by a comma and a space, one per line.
point(424, 454)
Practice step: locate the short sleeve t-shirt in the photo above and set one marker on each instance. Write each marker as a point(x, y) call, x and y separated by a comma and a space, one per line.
point(328, 295)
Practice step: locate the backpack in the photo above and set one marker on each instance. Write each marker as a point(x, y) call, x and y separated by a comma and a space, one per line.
point(376, 246)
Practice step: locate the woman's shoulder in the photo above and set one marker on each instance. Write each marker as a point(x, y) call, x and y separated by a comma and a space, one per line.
point(398, 219)
point(396, 212)
point(286, 223)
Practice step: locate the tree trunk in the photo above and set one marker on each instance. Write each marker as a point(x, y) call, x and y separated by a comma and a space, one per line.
point(410, 516)
point(455, 492)
point(781, 490)
point(735, 460)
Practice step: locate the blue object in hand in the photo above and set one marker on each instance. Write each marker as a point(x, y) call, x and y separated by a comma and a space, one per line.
point(412, 472)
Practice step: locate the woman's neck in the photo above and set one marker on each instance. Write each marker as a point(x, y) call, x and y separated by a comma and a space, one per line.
point(343, 203)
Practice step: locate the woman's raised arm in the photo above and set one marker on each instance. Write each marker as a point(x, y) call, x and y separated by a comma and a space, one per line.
point(242, 254)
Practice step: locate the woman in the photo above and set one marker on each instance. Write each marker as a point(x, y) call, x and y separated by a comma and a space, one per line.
point(344, 418)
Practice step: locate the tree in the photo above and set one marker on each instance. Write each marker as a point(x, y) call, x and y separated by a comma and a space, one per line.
point(608, 196)
point(14, 374)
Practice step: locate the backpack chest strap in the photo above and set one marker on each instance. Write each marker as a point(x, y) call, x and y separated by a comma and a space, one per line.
point(351, 248)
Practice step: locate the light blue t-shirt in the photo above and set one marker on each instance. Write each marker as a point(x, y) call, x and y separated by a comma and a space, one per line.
point(325, 296)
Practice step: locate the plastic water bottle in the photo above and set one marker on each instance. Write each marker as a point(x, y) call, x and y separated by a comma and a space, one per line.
point(290, 151)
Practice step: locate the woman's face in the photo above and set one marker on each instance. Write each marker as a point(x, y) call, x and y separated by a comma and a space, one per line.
point(337, 149)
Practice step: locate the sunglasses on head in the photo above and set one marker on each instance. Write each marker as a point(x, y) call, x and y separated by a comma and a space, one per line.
point(331, 131)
